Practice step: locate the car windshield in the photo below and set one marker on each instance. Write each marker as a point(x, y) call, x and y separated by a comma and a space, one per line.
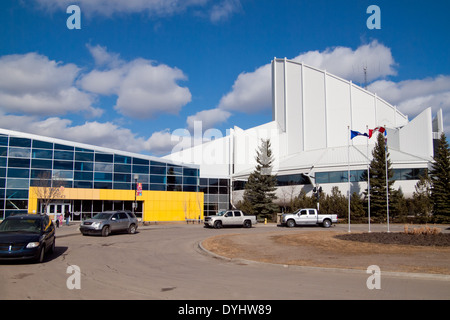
point(221, 213)
point(102, 216)
point(21, 225)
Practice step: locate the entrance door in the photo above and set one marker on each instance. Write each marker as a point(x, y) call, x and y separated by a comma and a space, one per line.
point(57, 208)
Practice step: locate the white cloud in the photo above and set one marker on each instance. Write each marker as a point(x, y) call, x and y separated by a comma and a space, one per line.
point(252, 91)
point(413, 96)
point(33, 84)
point(223, 10)
point(208, 118)
point(349, 64)
point(110, 7)
point(143, 88)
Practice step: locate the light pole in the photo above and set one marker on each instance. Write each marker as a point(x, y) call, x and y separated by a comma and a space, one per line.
point(136, 176)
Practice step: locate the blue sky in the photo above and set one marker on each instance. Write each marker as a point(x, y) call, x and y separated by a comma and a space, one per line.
point(138, 73)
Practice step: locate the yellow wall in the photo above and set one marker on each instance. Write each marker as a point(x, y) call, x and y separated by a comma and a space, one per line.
point(157, 205)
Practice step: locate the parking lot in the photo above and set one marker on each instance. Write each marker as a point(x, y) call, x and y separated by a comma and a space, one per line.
point(165, 262)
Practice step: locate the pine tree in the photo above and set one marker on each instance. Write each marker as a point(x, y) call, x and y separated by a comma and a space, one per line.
point(440, 178)
point(422, 196)
point(261, 185)
point(378, 204)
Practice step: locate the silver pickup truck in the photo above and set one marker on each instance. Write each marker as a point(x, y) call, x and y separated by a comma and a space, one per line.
point(230, 218)
point(303, 217)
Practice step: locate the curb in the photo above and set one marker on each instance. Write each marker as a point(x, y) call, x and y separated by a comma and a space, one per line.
point(424, 276)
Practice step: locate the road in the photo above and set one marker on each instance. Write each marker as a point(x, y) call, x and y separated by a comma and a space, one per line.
point(165, 262)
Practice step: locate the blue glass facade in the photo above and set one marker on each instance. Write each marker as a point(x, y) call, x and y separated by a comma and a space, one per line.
point(26, 162)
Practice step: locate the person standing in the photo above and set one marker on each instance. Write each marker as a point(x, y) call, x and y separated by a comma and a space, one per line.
point(67, 216)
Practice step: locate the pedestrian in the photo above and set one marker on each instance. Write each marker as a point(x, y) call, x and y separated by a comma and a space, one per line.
point(60, 218)
point(67, 217)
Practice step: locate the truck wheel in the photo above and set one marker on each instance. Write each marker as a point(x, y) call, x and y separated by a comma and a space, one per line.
point(218, 224)
point(247, 224)
point(326, 223)
point(290, 223)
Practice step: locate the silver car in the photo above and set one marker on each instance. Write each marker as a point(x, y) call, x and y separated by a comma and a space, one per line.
point(105, 223)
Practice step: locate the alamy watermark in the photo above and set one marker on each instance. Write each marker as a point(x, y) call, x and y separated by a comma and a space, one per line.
point(374, 280)
point(74, 280)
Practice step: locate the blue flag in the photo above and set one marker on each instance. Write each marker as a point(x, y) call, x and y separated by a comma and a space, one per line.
point(356, 133)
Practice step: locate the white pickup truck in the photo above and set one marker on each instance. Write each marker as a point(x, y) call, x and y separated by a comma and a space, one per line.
point(304, 217)
point(230, 218)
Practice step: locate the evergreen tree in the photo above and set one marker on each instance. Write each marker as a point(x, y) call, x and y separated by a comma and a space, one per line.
point(261, 185)
point(378, 204)
point(440, 178)
point(422, 196)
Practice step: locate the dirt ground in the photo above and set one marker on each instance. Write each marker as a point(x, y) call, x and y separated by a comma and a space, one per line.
point(394, 252)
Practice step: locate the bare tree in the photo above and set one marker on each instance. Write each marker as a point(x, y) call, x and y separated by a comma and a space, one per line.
point(48, 189)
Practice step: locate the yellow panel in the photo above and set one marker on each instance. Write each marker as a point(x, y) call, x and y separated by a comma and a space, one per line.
point(157, 205)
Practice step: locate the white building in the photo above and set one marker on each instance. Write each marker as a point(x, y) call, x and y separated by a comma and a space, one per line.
point(313, 111)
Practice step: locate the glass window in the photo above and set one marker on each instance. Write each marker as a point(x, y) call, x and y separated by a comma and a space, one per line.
point(190, 172)
point(160, 187)
point(121, 177)
point(203, 181)
point(2, 185)
point(142, 178)
point(122, 186)
point(82, 184)
point(63, 147)
point(104, 157)
point(157, 163)
point(16, 194)
point(189, 180)
point(174, 187)
point(18, 173)
point(140, 169)
point(157, 170)
point(41, 174)
point(122, 168)
point(18, 162)
point(42, 144)
point(64, 165)
point(190, 188)
point(122, 159)
point(322, 177)
point(102, 176)
point(63, 155)
point(19, 142)
point(84, 166)
point(2, 162)
point(84, 156)
point(79, 175)
point(175, 170)
point(107, 167)
point(3, 151)
point(43, 164)
point(83, 150)
point(62, 175)
point(2, 172)
point(16, 183)
point(19, 152)
point(174, 180)
point(42, 154)
point(157, 179)
point(3, 142)
point(140, 161)
point(103, 185)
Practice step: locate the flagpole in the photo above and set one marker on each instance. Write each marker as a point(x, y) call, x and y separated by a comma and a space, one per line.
point(368, 177)
point(387, 180)
point(348, 156)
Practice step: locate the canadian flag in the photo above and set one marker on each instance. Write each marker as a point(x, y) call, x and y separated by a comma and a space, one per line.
point(379, 129)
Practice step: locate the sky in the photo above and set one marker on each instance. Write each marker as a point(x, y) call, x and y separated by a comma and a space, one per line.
point(140, 74)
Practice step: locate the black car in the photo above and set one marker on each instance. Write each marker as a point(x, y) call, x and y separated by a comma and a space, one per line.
point(28, 236)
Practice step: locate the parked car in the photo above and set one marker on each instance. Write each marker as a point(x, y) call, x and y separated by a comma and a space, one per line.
point(308, 217)
point(105, 223)
point(28, 236)
point(230, 218)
